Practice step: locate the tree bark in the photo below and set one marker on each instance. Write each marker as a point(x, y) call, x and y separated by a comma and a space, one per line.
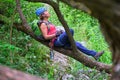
point(10, 74)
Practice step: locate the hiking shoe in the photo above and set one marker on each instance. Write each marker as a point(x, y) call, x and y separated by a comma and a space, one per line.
point(98, 55)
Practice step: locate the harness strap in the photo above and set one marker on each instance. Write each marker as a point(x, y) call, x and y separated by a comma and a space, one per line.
point(51, 43)
point(47, 24)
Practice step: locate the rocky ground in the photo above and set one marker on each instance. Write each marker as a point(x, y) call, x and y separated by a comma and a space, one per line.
point(63, 67)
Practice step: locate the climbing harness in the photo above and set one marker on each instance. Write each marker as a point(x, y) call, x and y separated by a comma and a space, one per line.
point(51, 43)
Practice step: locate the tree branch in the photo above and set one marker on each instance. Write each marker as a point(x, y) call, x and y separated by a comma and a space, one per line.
point(77, 5)
point(22, 17)
point(61, 19)
point(79, 56)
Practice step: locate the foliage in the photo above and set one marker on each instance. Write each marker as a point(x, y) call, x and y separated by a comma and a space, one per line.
point(7, 7)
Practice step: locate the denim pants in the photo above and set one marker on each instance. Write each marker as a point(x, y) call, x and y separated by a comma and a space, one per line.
point(63, 41)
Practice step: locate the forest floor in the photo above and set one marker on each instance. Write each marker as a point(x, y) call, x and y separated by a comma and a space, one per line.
point(62, 71)
point(62, 62)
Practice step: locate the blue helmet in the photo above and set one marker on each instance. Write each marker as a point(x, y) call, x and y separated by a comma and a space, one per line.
point(40, 11)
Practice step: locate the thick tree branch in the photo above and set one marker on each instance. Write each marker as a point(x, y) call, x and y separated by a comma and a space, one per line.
point(22, 17)
point(61, 19)
point(10, 74)
point(77, 5)
point(78, 55)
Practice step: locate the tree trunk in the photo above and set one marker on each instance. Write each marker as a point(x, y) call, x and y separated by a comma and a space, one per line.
point(9, 74)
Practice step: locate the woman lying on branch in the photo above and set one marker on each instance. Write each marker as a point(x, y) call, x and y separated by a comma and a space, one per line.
point(59, 38)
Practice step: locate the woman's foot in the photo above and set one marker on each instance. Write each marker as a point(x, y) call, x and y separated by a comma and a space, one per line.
point(98, 55)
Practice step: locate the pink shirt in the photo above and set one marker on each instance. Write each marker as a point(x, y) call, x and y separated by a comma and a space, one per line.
point(52, 29)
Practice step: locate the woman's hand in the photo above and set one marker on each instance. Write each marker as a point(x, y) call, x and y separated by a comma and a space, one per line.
point(58, 32)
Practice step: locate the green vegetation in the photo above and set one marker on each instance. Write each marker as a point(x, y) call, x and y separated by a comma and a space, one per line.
point(20, 51)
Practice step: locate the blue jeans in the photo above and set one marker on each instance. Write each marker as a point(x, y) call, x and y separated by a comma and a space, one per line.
point(63, 41)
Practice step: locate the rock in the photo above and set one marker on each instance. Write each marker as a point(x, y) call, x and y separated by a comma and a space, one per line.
point(68, 77)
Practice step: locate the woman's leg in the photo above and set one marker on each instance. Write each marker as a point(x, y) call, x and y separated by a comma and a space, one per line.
point(85, 50)
point(62, 40)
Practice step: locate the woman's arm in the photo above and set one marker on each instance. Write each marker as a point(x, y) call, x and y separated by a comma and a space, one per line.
point(44, 30)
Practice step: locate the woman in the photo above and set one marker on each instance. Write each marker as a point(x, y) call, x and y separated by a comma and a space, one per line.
point(59, 38)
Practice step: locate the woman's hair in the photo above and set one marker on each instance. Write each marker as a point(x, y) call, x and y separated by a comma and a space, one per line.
point(41, 17)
